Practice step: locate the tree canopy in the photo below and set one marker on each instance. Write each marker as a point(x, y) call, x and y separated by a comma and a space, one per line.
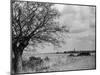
point(35, 21)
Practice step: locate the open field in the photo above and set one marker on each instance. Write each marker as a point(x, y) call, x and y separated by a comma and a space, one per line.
point(60, 62)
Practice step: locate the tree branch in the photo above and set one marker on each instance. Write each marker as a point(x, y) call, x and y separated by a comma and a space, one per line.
point(38, 26)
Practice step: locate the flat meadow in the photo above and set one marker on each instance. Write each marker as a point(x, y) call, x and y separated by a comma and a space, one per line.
point(46, 62)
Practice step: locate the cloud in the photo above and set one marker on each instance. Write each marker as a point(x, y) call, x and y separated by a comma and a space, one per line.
point(78, 17)
point(79, 45)
point(81, 23)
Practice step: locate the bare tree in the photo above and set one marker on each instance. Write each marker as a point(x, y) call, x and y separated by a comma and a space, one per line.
point(35, 22)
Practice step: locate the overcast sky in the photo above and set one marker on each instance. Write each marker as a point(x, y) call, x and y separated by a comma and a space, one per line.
point(81, 23)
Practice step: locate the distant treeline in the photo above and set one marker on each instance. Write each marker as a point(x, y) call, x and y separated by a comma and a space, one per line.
point(77, 52)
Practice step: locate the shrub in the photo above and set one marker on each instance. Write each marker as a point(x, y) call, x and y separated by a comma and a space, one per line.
point(32, 63)
point(84, 54)
point(35, 63)
point(65, 52)
point(35, 60)
point(71, 54)
point(46, 58)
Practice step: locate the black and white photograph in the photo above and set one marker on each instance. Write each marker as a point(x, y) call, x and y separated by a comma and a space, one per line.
point(52, 37)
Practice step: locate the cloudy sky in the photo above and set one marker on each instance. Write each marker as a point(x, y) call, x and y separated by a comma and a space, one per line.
point(81, 23)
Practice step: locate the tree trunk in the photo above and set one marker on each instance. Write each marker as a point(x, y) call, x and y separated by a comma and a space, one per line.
point(18, 63)
point(18, 51)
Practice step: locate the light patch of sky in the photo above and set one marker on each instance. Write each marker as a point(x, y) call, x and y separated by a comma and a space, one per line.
point(59, 7)
point(81, 22)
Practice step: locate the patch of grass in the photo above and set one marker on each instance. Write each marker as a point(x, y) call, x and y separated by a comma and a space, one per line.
point(35, 64)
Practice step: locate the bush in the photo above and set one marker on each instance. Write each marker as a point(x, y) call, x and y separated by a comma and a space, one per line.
point(84, 54)
point(32, 63)
point(65, 52)
point(35, 64)
point(71, 54)
point(46, 58)
point(35, 60)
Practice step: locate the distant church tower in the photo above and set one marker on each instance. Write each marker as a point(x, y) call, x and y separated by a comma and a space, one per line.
point(74, 49)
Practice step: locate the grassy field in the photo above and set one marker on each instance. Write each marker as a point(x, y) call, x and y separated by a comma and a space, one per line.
point(60, 62)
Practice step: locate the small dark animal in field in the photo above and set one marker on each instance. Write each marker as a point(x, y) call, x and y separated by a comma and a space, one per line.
point(84, 54)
